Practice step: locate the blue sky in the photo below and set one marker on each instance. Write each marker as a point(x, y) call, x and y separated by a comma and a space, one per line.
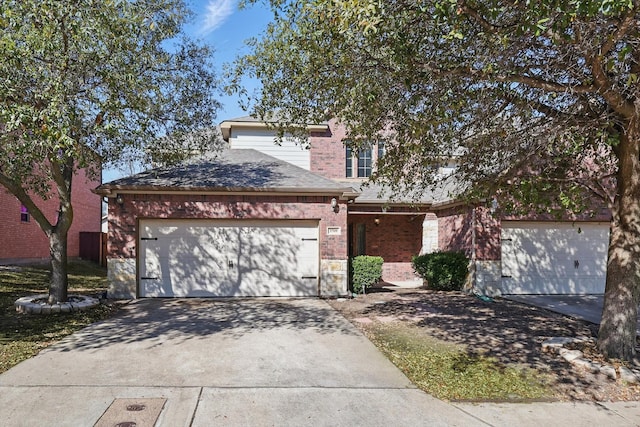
point(223, 26)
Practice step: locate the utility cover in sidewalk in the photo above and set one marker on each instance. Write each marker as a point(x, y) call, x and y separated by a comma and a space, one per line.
point(132, 413)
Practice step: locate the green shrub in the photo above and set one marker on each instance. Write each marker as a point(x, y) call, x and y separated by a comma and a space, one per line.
point(443, 271)
point(366, 270)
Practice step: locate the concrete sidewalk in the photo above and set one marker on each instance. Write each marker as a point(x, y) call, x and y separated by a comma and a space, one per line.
point(248, 362)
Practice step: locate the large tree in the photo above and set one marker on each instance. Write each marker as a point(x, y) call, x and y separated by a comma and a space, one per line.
point(92, 82)
point(538, 102)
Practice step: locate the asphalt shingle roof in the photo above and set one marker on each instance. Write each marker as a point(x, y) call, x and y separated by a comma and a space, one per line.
point(375, 194)
point(231, 170)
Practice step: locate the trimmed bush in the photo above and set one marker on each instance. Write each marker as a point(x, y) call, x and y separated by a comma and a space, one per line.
point(366, 271)
point(443, 271)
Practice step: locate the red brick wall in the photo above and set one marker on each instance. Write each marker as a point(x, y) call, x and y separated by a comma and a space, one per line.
point(455, 232)
point(488, 236)
point(328, 152)
point(26, 240)
point(396, 239)
point(122, 219)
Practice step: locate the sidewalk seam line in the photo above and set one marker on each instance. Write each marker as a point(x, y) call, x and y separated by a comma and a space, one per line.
point(193, 416)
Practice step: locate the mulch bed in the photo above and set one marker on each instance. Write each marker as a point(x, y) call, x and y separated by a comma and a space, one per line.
point(509, 331)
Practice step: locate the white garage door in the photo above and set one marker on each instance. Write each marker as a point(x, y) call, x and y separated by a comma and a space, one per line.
point(554, 258)
point(198, 258)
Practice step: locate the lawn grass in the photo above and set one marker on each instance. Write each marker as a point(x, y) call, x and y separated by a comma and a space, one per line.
point(448, 371)
point(23, 335)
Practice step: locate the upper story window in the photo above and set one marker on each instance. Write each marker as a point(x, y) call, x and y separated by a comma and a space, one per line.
point(360, 165)
point(24, 214)
point(364, 163)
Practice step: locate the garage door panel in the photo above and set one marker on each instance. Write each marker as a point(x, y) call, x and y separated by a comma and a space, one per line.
point(554, 258)
point(229, 258)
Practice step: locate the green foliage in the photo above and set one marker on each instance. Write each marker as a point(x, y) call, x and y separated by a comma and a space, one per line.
point(98, 77)
point(367, 270)
point(505, 89)
point(443, 271)
point(95, 83)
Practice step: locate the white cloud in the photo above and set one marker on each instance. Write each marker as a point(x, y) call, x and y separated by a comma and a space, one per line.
point(217, 13)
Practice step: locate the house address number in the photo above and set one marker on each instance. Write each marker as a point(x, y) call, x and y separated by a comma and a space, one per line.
point(334, 231)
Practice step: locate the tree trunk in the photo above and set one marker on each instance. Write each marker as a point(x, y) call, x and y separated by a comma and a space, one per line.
point(59, 278)
point(58, 234)
point(617, 334)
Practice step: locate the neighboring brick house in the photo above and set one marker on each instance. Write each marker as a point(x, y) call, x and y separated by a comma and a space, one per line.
point(22, 238)
point(291, 217)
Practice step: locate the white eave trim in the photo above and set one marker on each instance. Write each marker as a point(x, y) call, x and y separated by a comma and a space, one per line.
point(343, 194)
point(225, 127)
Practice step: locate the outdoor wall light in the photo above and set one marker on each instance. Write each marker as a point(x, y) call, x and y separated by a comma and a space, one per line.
point(120, 200)
point(494, 205)
point(334, 205)
point(376, 221)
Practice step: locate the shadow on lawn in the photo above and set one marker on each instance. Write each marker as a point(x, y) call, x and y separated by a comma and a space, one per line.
point(509, 331)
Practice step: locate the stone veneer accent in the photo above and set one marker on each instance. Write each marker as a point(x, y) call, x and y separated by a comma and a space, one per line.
point(488, 277)
point(121, 276)
point(333, 280)
point(429, 235)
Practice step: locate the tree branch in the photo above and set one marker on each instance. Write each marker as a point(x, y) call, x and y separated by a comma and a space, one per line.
point(464, 9)
point(514, 78)
point(604, 87)
point(620, 32)
point(24, 198)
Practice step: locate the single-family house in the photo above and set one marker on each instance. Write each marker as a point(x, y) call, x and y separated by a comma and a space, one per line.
point(265, 219)
point(22, 239)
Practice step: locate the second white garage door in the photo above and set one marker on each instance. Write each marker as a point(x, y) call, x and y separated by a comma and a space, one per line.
point(554, 258)
point(223, 258)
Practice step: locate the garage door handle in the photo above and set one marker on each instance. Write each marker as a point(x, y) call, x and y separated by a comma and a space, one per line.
point(506, 277)
point(148, 238)
point(148, 278)
point(305, 239)
point(309, 277)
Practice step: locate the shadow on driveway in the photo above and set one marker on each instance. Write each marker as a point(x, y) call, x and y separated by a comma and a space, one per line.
point(196, 318)
point(585, 307)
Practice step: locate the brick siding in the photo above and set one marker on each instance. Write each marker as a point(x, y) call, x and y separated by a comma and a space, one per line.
point(397, 238)
point(26, 240)
point(328, 152)
point(455, 232)
point(123, 219)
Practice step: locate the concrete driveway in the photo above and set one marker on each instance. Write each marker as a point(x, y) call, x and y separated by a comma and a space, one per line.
point(245, 363)
point(233, 362)
point(585, 307)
